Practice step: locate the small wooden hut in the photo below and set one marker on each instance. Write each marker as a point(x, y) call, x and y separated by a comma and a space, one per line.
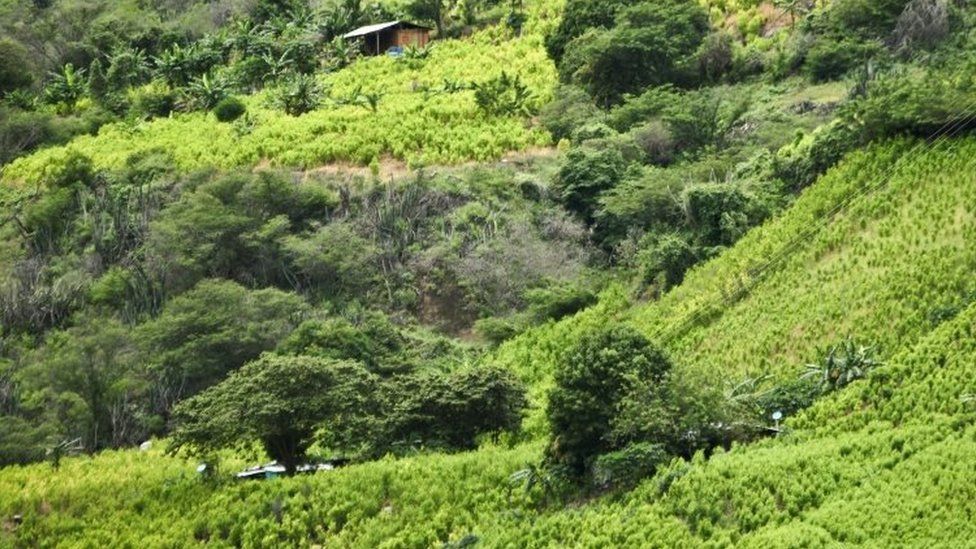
point(381, 37)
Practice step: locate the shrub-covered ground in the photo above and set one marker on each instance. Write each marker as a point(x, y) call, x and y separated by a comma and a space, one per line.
point(888, 461)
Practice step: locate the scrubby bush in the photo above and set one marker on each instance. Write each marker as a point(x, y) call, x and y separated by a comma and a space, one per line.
point(229, 109)
point(656, 142)
point(715, 57)
point(922, 25)
point(571, 109)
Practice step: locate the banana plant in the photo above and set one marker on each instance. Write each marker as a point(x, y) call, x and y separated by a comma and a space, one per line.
point(66, 87)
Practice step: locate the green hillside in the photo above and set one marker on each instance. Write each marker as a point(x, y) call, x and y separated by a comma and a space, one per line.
point(541, 273)
point(408, 123)
point(843, 474)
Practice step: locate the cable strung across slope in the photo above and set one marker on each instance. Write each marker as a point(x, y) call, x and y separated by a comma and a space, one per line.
point(948, 131)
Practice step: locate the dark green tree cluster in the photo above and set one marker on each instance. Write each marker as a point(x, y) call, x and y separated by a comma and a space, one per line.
point(620, 408)
point(128, 292)
point(670, 158)
point(289, 402)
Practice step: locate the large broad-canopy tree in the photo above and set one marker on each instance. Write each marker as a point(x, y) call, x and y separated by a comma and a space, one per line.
point(211, 330)
point(280, 401)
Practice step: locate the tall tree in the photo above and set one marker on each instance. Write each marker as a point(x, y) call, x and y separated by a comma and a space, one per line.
point(281, 401)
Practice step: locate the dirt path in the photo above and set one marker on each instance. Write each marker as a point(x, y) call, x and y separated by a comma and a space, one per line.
point(394, 168)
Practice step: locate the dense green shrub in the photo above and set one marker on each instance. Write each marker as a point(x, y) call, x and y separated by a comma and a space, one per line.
point(585, 174)
point(229, 109)
point(625, 468)
point(15, 69)
point(592, 131)
point(334, 260)
point(22, 131)
point(655, 41)
point(206, 333)
point(152, 101)
point(93, 366)
point(788, 398)
point(433, 409)
point(497, 330)
point(868, 18)
point(372, 341)
point(801, 162)
point(596, 375)
point(636, 110)
point(577, 17)
point(664, 259)
point(831, 59)
point(557, 301)
point(21, 442)
point(713, 209)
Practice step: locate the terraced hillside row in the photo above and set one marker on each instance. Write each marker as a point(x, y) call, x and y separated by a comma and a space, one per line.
point(418, 109)
point(888, 461)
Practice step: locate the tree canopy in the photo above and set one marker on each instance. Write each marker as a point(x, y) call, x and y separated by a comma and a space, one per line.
point(280, 401)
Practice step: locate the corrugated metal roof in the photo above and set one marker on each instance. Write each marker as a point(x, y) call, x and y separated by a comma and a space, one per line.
point(370, 29)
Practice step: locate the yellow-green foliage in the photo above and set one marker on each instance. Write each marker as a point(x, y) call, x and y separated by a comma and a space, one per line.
point(130, 498)
point(877, 271)
point(888, 461)
point(420, 128)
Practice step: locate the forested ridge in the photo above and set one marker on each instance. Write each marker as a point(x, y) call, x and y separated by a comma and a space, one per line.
point(583, 273)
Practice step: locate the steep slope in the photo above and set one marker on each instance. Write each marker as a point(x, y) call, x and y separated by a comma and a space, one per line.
point(888, 461)
point(880, 270)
